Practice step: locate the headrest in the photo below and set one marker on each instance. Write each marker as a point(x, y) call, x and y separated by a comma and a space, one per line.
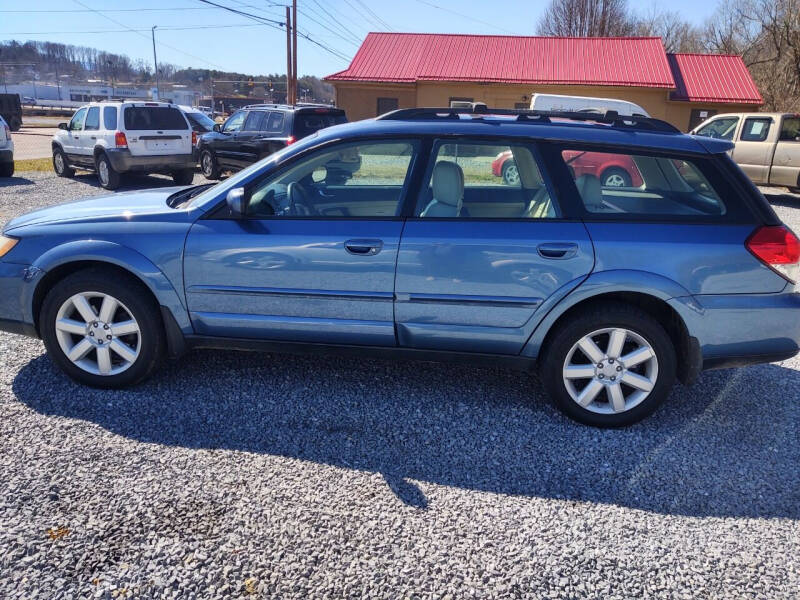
point(448, 183)
point(590, 188)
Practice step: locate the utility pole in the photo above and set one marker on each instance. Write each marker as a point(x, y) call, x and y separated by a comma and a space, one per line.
point(155, 60)
point(294, 51)
point(288, 54)
point(5, 85)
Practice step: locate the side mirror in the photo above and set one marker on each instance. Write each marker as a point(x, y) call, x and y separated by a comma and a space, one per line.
point(64, 126)
point(235, 201)
point(217, 127)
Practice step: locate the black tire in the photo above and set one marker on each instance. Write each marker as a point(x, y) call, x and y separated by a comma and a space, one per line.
point(510, 173)
point(106, 175)
point(59, 158)
point(15, 124)
point(183, 177)
point(209, 166)
point(6, 169)
point(137, 300)
point(607, 315)
point(615, 177)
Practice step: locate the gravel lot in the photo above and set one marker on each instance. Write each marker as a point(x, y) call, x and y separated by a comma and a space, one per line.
point(265, 476)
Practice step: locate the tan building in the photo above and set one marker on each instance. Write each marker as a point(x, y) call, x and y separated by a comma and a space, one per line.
point(405, 70)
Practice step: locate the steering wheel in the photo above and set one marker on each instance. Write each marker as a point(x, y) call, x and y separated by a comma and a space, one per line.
point(299, 200)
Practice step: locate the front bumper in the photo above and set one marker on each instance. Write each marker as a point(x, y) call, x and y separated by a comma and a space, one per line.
point(123, 161)
point(14, 284)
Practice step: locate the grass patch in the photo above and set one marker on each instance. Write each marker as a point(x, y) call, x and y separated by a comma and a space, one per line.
point(34, 164)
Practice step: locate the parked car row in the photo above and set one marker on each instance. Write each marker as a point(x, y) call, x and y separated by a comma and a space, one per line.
point(114, 138)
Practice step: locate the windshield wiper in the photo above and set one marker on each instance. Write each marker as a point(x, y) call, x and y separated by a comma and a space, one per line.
point(179, 198)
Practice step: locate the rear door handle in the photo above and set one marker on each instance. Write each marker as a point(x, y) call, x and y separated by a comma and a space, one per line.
point(557, 250)
point(363, 247)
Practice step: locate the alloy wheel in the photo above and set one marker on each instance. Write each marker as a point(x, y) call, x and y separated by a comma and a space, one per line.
point(59, 162)
point(511, 175)
point(614, 180)
point(98, 333)
point(102, 171)
point(610, 370)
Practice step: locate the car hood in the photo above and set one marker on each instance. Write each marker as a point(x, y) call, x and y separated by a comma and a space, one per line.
point(146, 205)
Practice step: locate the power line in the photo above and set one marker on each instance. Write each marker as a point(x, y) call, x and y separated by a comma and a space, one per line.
point(85, 10)
point(375, 15)
point(338, 22)
point(147, 37)
point(463, 16)
point(269, 23)
point(370, 21)
point(336, 33)
point(166, 28)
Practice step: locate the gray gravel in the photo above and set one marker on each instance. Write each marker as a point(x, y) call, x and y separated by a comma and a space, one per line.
point(265, 476)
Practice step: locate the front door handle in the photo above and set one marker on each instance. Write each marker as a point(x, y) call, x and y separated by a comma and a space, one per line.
point(557, 250)
point(363, 247)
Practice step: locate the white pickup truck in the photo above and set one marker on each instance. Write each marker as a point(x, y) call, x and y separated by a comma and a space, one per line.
point(766, 145)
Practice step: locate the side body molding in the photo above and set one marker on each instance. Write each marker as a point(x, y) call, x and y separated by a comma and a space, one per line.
point(114, 254)
point(603, 282)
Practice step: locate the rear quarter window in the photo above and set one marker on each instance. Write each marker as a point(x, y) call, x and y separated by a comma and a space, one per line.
point(145, 118)
point(307, 123)
point(627, 185)
point(110, 117)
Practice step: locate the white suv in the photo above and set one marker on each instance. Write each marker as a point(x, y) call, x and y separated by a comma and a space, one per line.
point(6, 150)
point(112, 138)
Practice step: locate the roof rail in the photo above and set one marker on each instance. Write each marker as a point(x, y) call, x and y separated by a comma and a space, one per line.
point(479, 112)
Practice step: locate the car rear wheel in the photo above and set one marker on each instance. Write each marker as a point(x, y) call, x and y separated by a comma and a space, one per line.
point(183, 177)
point(609, 366)
point(60, 164)
point(101, 329)
point(6, 169)
point(615, 177)
point(510, 173)
point(108, 177)
point(208, 165)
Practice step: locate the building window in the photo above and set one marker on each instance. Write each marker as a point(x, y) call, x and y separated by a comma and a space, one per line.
point(699, 115)
point(386, 104)
point(456, 102)
point(522, 105)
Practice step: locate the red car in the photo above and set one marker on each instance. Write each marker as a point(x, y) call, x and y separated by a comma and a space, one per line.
point(613, 170)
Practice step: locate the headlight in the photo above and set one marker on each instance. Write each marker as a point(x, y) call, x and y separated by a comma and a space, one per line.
point(6, 244)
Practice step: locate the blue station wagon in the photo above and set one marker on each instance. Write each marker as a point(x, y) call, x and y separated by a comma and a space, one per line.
point(391, 237)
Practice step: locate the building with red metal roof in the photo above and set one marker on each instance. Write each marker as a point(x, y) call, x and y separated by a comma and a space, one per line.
point(403, 70)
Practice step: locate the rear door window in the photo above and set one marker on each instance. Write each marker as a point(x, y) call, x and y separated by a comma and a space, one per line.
point(307, 123)
point(485, 180)
point(253, 121)
point(790, 129)
point(274, 123)
point(146, 118)
point(755, 129)
point(110, 117)
point(656, 185)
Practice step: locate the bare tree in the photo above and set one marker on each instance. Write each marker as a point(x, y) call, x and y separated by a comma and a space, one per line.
point(677, 34)
point(586, 18)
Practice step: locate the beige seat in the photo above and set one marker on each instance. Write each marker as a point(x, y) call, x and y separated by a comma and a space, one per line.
point(591, 191)
point(447, 182)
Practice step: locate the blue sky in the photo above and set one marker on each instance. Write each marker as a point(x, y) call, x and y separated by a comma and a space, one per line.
point(239, 44)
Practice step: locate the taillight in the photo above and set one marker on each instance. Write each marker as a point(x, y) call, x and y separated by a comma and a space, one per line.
point(290, 140)
point(120, 140)
point(778, 248)
point(194, 138)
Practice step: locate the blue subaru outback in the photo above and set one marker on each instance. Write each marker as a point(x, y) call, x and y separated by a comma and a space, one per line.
point(392, 237)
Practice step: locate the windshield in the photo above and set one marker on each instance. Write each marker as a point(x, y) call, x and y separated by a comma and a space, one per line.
point(199, 121)
point(237, 180)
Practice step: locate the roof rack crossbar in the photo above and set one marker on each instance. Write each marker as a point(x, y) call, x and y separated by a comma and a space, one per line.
point(610, 117)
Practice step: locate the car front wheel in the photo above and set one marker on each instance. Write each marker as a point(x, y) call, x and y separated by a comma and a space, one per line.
point(615, 177)
point(60, 164)
point(609, 366)
point(183, 177)
point(102, 329)
point(510, 173)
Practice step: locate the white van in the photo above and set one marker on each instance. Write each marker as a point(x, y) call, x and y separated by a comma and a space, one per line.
point(556, 103)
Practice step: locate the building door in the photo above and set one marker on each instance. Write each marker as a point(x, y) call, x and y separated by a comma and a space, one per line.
point(699, 115)
point(386, 105)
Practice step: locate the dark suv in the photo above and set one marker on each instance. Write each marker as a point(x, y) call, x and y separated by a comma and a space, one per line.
point(259, 130)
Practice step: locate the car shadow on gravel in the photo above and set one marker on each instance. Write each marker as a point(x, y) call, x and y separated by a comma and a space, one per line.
point(12, 181)
point(726, 447)
point(130, 182)
point(783, 199)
